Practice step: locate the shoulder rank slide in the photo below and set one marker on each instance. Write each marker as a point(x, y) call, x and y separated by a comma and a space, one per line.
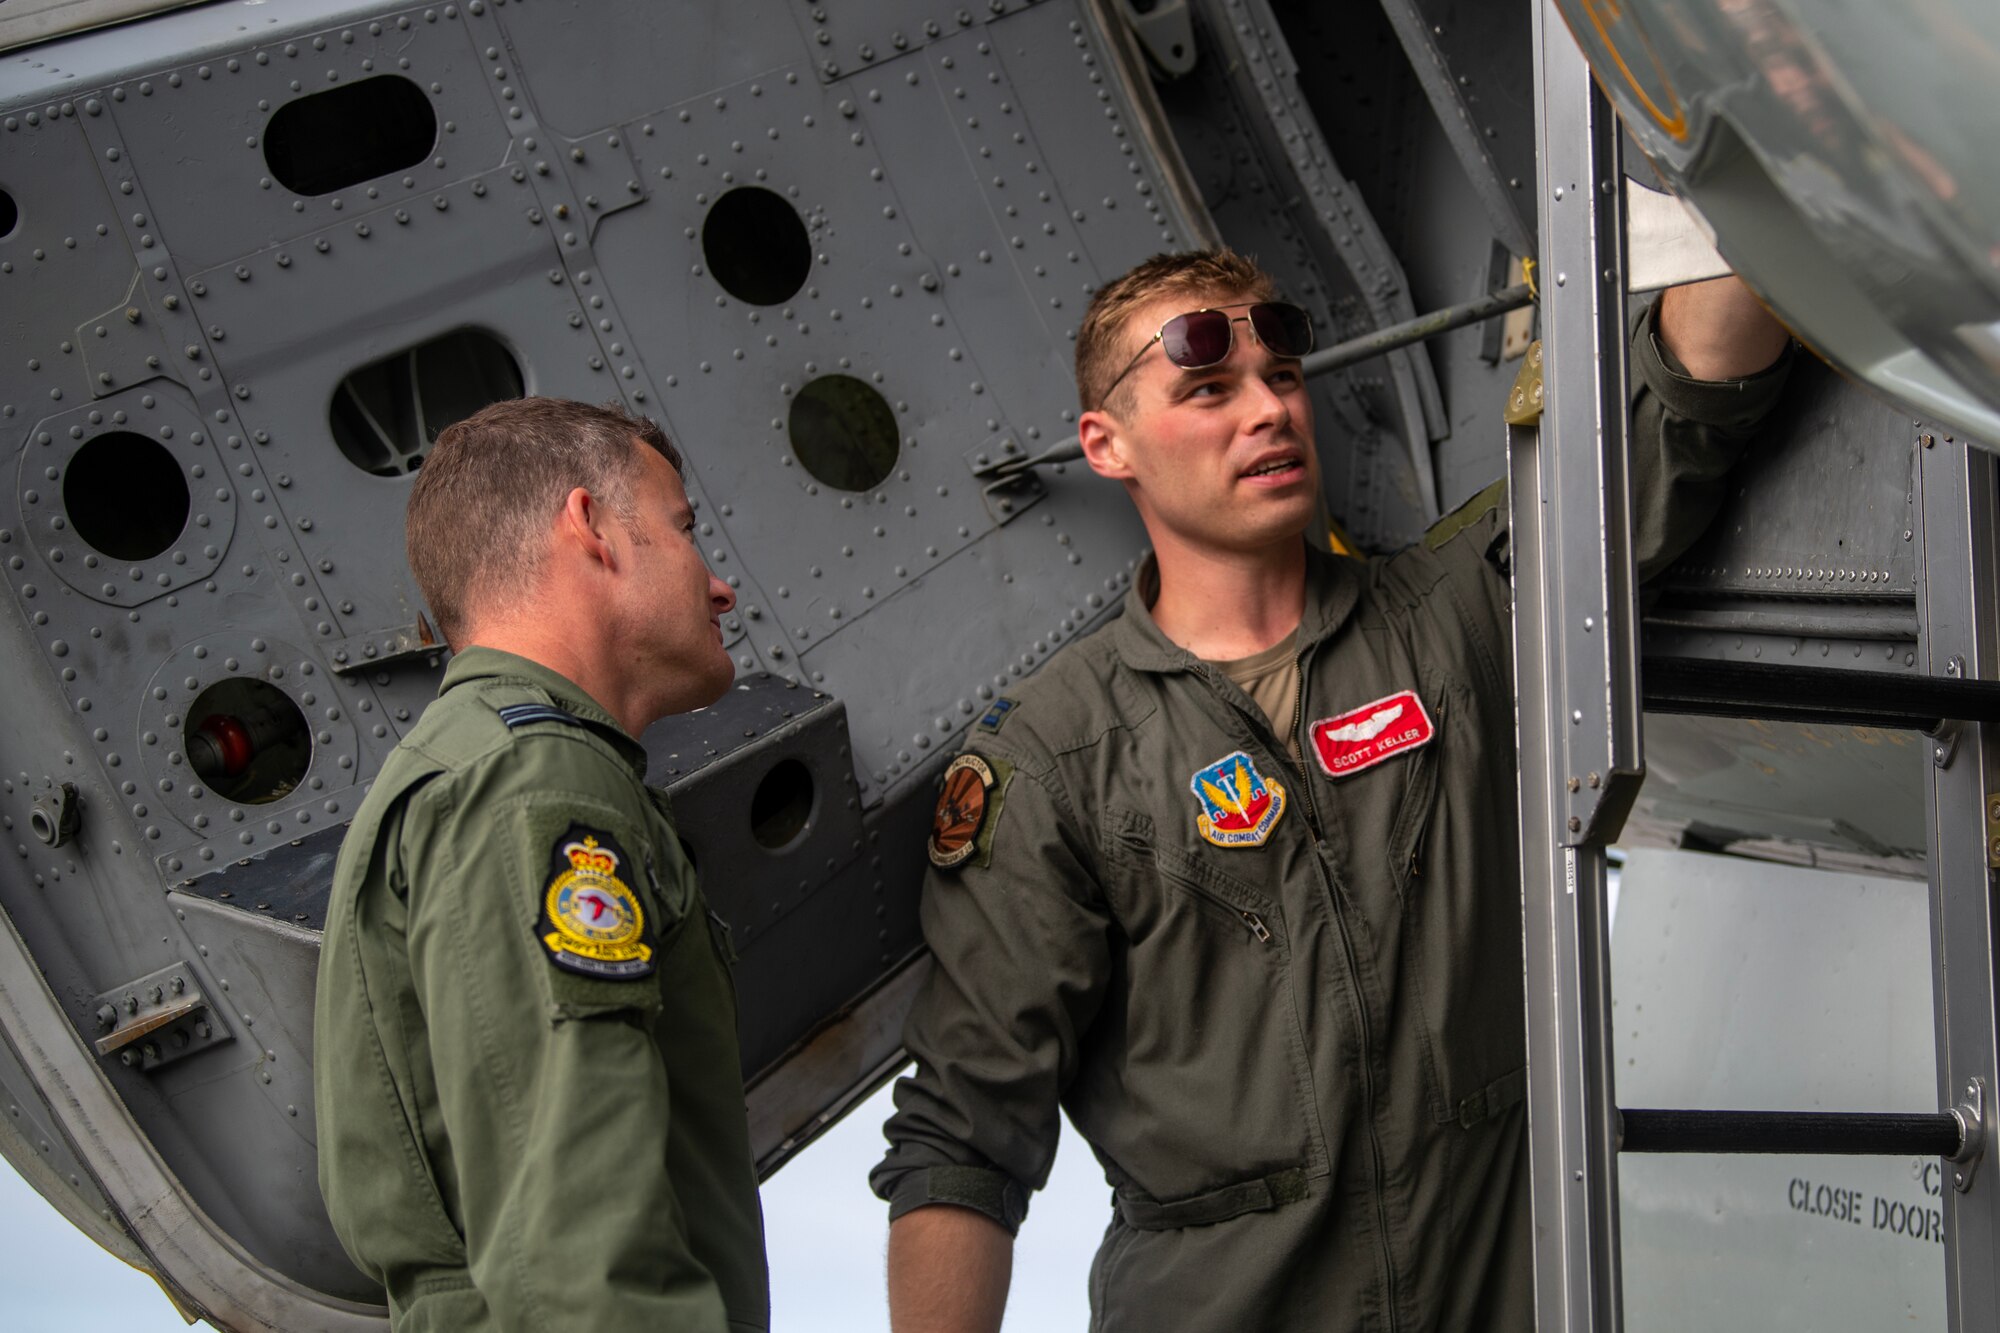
point(520, 715)
point(592, 923)
point(1000, 710)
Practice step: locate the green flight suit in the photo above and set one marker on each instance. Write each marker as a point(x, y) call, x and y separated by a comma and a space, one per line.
point(525, 1061)
point(1297, 1047)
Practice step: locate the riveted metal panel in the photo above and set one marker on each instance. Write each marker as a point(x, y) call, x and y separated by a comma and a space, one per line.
point(92, 912)
point(289, 881)
point(637, 58)
point(222, 201)
point(850, 40)
point(249, 1102)
point(1065, 79)
point(162, 415)
point(1051, 582)
point(1472, 59)
point(1822, 506)
point(477, 264)
point(822, 553)
point(218, 829)
point(55, 258)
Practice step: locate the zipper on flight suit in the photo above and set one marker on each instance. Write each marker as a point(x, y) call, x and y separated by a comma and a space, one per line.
point(1377, 1162)
point(1381, 1166)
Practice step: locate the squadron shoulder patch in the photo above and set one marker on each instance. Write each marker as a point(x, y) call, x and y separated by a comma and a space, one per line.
point(592, 923)
point(1363, 737)
point(1239, 805)
point(961, 811)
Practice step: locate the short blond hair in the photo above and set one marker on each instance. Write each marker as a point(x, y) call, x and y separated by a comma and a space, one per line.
point(1190, 273)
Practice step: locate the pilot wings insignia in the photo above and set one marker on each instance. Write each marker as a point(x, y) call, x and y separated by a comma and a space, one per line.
point(1365, 736)
point(1368, 728)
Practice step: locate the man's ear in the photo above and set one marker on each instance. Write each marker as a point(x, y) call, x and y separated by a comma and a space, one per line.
point(1103, 439)
point(584, 524)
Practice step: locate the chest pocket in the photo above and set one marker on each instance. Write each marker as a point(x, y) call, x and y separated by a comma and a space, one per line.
point(1211, 1046)
point(1454, 858)
point(1420, 796)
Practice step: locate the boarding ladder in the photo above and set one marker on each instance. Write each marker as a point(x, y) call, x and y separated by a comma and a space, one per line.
point(1581, 689)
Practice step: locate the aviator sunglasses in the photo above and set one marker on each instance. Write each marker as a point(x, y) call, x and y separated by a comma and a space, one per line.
point(1202, 338)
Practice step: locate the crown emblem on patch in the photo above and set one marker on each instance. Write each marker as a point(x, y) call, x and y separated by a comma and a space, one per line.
point(587, 858)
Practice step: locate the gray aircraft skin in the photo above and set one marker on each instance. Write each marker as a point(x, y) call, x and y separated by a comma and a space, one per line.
point(253, 255)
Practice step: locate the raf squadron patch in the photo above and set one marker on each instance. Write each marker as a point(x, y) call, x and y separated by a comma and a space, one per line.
point(1365, 736)
point(961, 811)
point(1239, 805)
point(592, 923)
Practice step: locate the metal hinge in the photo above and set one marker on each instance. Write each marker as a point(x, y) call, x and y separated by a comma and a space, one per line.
point(386, 647)
point(157, 1019)
point(1971, 1117)
point(1166, 29)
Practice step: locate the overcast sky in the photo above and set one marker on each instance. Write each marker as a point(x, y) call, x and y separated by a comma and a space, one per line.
point(825, 1235)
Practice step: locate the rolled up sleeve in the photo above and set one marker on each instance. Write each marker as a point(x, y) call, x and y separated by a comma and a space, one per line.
point(1020, 961)
point(1686, 436)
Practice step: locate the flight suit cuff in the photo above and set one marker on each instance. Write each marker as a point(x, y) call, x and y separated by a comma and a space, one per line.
point(980, 1188)
point(1734, 405)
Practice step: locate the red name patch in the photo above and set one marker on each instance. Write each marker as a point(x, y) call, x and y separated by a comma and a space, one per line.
point(1371, 733)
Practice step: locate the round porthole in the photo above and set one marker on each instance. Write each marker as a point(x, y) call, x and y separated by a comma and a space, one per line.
point(781, 807)
point(844, 433)
point(10, 215)
point(756, 246)
point(247, 740)
point(126, 496)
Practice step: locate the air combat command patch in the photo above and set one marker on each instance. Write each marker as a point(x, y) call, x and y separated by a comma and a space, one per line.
point(1239, 805)
point(592, 923)
point(961, 811)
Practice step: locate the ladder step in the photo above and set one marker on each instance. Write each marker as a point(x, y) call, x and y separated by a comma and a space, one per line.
point(1814, 694)
point(1937, 1134)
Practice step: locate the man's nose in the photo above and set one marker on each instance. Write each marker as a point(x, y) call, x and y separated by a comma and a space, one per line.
point(1271, 407)
point(720, 596)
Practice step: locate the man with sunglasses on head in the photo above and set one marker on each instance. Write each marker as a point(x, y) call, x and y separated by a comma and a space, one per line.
point(1235, 881)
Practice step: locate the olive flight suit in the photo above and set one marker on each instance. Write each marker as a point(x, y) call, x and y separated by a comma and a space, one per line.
point(1282, 1000)
point(526, 1070)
